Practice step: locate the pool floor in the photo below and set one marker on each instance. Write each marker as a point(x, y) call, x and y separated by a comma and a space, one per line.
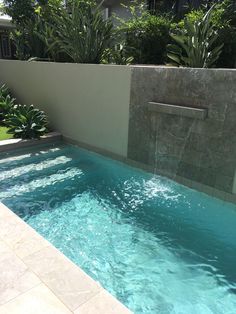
point(157, 246)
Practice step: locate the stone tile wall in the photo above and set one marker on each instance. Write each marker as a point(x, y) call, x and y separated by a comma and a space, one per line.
point(199, 150)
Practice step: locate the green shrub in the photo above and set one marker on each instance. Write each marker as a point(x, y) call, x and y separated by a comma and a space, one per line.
point(22, 121)
point(6, 101)
point(82, 33)
point(6, 105)
point(195, 46)
point(146, 36)
point(223, 19)
point(117, 54)
point(32, 20)
point(4, 91)
point(26, 122)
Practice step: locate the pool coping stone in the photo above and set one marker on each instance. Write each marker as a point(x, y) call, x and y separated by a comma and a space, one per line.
point(38, 277)
point(14, 143)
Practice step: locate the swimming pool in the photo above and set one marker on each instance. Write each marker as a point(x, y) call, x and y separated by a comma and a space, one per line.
point(157, 246)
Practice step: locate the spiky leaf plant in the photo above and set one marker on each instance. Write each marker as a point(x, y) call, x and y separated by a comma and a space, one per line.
point(196, 47)
point(4, 91)
point(6, 105)
point(82, 33)
point(26, 122)
point(6, 101)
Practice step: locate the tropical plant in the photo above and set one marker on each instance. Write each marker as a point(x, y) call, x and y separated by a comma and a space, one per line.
point(32, 20)
point(34, 45)
point(226, 21)
point(20, 11)
point(223, 19)
point(19, 38)
point(4, 92)
point(117, 54)
point(196, 46)
point(6, 101)
point(81, 32)
point(6, 105)
point(145, 35)
point(26, 122)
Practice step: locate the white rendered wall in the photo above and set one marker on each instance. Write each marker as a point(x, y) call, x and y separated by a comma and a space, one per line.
point(87, 103)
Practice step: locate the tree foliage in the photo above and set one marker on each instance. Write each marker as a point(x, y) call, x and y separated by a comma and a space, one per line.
point(195, 47)
point(49, 30)
point(223, 19)
point(20, 10)
point(145, 35)
point(77, 32)
point(82, 33)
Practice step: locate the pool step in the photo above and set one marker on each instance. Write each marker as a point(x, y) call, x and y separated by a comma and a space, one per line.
point(52, 184)
point(9, 161)
point(44, 164)
point(41, 171)
point(30, 187)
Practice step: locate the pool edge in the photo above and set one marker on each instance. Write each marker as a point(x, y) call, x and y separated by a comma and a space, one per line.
point(16, 143)
point(72, 289)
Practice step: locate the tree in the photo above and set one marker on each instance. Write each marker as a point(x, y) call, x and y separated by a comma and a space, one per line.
point(81, 32)
point(20, 10)
point(32, 20)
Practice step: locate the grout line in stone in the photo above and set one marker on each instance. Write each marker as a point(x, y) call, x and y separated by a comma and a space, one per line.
point(19, 295)
point(58, 252)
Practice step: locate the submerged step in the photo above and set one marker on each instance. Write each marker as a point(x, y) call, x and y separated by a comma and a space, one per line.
point(41, 183)
point(12, 160)
point(191, 112)
point(33, 167)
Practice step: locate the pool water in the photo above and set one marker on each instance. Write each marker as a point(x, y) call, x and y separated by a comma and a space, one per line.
point(157, 246)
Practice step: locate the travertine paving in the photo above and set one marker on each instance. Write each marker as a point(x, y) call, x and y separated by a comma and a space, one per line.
point(36, 278)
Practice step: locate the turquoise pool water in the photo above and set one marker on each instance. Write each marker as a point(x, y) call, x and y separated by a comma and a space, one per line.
point(157, 246)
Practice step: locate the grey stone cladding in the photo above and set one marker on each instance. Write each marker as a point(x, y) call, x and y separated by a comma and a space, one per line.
point(177, 144)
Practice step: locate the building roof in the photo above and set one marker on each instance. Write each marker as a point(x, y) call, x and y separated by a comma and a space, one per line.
point(5, 21)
